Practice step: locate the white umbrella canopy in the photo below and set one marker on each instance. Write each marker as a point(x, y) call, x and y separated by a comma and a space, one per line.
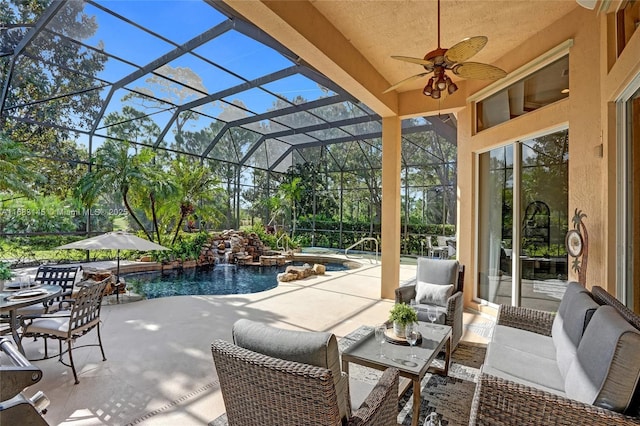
point(117, 240)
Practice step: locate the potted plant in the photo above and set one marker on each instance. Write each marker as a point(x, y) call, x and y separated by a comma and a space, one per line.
point(403, 317)
point(5, 274)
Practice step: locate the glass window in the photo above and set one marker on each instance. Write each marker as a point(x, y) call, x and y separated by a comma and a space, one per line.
point(543, 87)
point(495, 249)
point(536, 239)
point(630, 203)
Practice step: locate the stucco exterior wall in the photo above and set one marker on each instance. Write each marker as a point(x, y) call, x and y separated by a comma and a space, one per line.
point(580, 113)
point(586, 113)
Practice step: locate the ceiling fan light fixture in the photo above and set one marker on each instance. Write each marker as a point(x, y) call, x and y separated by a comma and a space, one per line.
point(428, 89)
point(454, 59)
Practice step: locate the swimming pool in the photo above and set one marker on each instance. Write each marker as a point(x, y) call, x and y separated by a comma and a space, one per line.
point(211, 280)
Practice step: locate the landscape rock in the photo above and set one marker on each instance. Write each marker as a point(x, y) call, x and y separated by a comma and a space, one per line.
point(301, 272)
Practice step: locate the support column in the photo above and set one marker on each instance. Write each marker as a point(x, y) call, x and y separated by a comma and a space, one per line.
point(391, 168)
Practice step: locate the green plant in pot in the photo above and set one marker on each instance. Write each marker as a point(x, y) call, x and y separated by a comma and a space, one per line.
point(5, 274)
point(403, 317)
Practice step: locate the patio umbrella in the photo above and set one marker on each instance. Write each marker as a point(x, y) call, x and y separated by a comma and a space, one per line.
point(117, 240)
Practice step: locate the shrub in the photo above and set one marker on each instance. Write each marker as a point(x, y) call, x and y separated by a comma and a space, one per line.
point(403, 314)
point(5, 271)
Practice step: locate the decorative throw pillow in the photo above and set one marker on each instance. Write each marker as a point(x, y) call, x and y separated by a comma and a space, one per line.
point(433, 294)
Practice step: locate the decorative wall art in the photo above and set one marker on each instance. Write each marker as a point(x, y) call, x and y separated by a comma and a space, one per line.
point(576, 242)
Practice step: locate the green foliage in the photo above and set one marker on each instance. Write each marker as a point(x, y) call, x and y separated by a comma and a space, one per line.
point(187, 247)
point(42, 85)
point(51, 214)
point(17, 168)
point(116, 171)
point(553, 250)
point(403, 314)
point(266, 238)
point(5, 271)
point(39, 249)
point(291, 191)
point(197, 188)
point(48, 214)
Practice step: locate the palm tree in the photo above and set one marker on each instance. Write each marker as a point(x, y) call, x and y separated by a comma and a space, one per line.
point(116, 170)
point(159, 185)
point(196, 184)
point(292, 191)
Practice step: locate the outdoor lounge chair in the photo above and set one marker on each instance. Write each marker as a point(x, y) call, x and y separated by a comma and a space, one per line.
point(437, 285)
point(65, 325)
point(300, 382)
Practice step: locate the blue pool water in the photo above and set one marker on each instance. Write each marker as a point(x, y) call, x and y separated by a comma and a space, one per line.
point(219, 279)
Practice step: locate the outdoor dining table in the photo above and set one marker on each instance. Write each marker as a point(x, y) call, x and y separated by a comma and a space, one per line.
point(11, 301)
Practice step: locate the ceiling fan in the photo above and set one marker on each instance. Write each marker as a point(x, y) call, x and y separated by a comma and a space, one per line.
point(440, 60)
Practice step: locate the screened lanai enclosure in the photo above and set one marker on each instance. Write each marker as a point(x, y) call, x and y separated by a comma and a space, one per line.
point(186, 117)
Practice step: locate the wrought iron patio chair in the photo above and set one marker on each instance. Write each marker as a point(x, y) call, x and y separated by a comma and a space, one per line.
point(64, 325)
point(63, 276)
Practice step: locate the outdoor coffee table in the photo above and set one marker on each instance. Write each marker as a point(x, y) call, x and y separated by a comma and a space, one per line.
point(435, 338)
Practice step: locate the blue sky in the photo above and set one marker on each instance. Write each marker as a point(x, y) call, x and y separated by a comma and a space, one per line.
point(180, 21)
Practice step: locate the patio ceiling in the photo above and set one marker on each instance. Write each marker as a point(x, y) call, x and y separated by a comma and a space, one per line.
point(351, 42)
point(409, 28)
point(191, 77)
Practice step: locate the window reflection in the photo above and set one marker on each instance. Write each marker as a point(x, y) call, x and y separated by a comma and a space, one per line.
point(542, 223)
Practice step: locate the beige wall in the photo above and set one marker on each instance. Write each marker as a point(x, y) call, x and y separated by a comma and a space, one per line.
point(591, 123)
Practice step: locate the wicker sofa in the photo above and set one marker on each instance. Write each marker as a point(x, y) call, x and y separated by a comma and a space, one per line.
point(579, 366)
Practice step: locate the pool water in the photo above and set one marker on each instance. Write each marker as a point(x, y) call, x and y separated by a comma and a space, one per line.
point(210, 280)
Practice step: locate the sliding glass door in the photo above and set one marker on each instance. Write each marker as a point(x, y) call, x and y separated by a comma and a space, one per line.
point(523, 262)
point(629, 200)
point(495, 231)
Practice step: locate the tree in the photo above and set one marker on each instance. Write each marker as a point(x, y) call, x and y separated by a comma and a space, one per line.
point(291, 192)
point(162, 89)
point(196, 185)
point(50, 85)
point(431, 162)
point(17, 168)
point(116, 170)
point(159, 185)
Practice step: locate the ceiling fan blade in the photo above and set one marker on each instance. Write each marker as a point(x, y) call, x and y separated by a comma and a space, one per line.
point(465, 49)
point(406, 80)
point(418, 61)
point(478, 71)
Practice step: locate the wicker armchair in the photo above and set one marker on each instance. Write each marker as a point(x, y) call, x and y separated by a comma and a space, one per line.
point(441, 272)
point(261, 390)
point(68, 325)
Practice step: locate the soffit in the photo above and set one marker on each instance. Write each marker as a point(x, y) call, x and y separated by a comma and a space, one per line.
point(379, 29)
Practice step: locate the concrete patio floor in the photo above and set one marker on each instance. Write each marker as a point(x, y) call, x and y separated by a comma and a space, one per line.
point(159, 369)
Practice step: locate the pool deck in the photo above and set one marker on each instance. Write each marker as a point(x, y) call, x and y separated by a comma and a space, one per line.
point(159, 369)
